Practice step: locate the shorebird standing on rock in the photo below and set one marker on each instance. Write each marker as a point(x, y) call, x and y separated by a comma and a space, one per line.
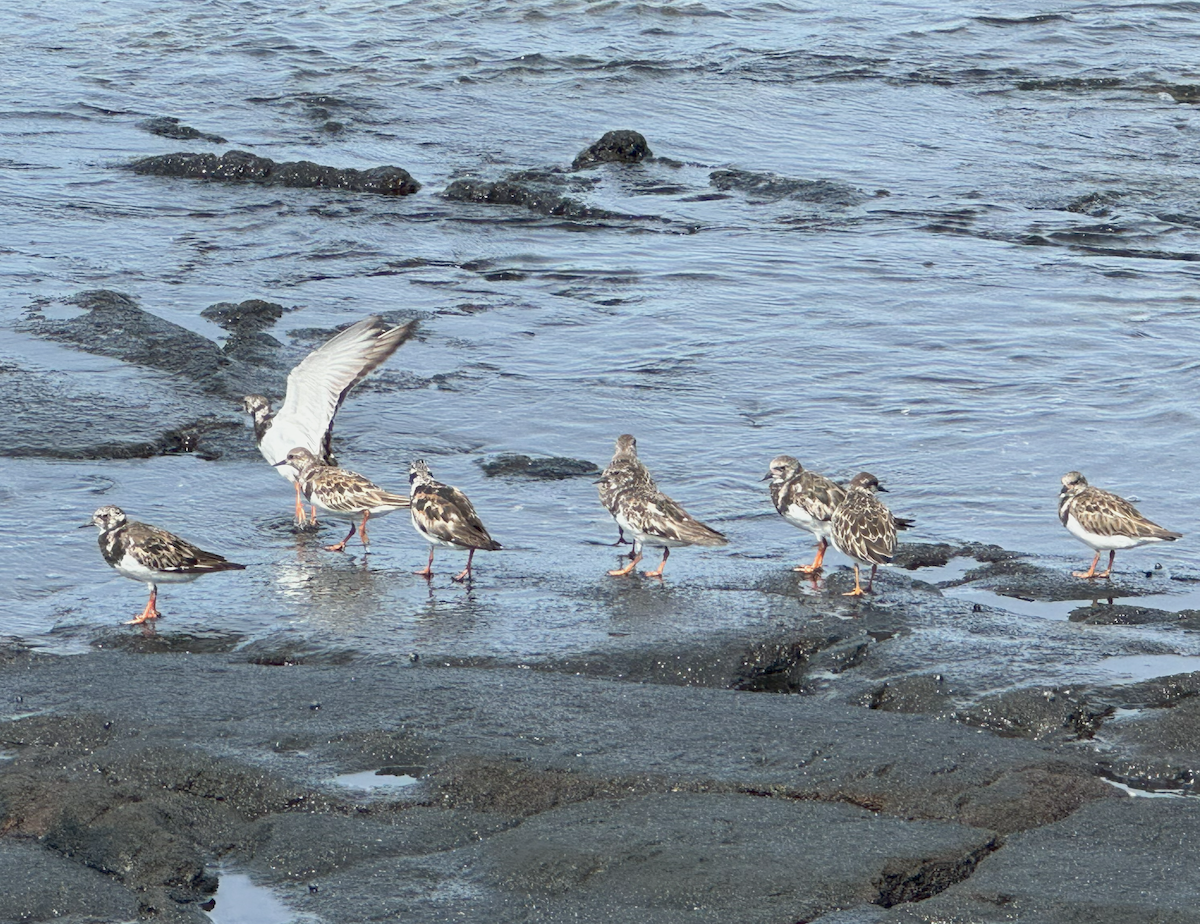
point(864, 529)
point(151, 555)
point(1104, 522)
point(805, 499)
point(623, 472)
point(342, 493)
point(648, 515)
point(316, 389)
point(443, 515)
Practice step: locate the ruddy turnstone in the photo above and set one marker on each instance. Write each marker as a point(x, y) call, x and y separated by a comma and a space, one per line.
point(805, 499)
point(623, 471)
point(864, 529)
point(316, 389)
point(654, 519)
point(344, 494)
point(444, 516)
point(1103, 521)
point(151, 555)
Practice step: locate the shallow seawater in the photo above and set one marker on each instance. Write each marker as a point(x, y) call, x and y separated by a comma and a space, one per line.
point(240, 901)
point(1019, 301)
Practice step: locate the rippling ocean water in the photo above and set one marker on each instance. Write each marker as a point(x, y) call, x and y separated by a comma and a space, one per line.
point(952, 247)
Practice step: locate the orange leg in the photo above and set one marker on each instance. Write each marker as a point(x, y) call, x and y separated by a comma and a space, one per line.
point(633, 560)
point(300, 518)
point(662, 564)
point(341, 546)
point(466, 572)
point(1091, 572)
point(816, 565)
point(362, 530)
point(871, 579)
point(428, 571)
point(312, 519)
point(151, 610)
point(858, 591)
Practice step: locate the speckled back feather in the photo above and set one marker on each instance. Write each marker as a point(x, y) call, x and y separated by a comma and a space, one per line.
point(649, 511)
point(160, 550)
point(447, 514)
point(863, 528)
point(1106, 514)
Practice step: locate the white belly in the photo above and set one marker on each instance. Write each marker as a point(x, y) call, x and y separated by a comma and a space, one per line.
point(798, 516)
point(1105, 543)
point(131, 568)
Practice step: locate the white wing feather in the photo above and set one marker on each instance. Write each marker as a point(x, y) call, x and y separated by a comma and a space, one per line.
point(317, 387)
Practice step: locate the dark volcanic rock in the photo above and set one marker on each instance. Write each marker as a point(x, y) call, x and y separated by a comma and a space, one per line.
point(1113, 862)
point(41, 885)
point(244, 167)
point(1116, 614)
point(115, 326)
point(622, 146)
point(1017, 578)
point(1036, 714)
point(552, 468)
point(169, 127)
point(770, 187)
point(922, 693)
point(545, 200)
point(1159, 749)
point(252, 314)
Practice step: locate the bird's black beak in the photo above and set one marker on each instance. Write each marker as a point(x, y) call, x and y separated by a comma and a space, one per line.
point(767, 477)
point(880, 487)
point(277, 464)
point(87, 525)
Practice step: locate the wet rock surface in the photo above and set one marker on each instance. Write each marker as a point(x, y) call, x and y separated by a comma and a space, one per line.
point(1113, 861)
point(244, 167)
point(622, 146)
point(171, 127)
point(552, 468)
point(537, 790)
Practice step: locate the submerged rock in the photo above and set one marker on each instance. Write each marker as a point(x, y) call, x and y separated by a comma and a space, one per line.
point(115, 326)
point(244, 167)
point(169, 127)
point(550, 468)
point(1036, 714)
point(545, 200)
point(622, 146)
point(771, 187)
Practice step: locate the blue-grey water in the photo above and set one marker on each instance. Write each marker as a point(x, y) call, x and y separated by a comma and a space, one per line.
point(1001, 287)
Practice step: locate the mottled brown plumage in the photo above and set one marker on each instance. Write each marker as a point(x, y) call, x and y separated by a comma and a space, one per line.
point(863, 528)
point(623, 472)
point(653, 518)
point(1104, 522)
point(151, 555)
point(443, 515)
point(805, 499)
point(342, 493)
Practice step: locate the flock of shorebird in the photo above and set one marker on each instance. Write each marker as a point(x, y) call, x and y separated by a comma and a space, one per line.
point(297, 441)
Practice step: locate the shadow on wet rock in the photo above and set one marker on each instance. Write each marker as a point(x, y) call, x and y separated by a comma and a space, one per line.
point(621, 147)
point(269, 652)
point(170, 127)
point(769, 187)
point(548, 468)
point(913, 555)
point(244, 167)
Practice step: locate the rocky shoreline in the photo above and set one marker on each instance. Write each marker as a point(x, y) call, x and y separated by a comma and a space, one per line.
point(626, 784)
